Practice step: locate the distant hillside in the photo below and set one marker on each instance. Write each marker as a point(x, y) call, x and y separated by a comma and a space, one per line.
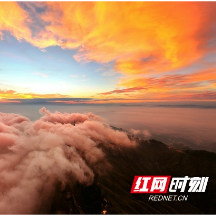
point(111, 192)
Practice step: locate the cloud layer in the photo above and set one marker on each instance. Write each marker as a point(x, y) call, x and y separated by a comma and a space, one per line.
point(12, 94)
point(34, 156)
point(144, 41)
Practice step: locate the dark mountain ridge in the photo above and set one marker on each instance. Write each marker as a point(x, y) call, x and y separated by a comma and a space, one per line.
point(110, 193)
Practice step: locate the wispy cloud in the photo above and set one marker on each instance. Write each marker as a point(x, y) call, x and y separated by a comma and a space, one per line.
point(109, 73)
point(74, 75)
point(9, 101)
point(12, 94)
point(120, 91)
point(40, 74)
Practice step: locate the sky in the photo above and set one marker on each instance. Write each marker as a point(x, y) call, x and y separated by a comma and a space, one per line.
point(107, 52)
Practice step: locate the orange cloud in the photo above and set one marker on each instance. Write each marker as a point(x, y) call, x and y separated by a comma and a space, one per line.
point(98, 101)
point(128, 32)
point(119, 91)
point(123, 31)
point(174, 85)
point(11, 94)
point(204, 96)
point(141, 38)
point(9, 101)
point(14, 19)
point(172, 81)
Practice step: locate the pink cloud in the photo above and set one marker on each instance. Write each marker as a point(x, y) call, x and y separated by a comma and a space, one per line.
point(37, 155)
point(119, 91)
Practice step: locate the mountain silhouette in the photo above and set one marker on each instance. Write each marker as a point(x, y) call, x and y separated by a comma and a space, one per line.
point(110, 193)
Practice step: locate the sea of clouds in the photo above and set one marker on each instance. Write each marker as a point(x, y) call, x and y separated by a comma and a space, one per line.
point(57, 147)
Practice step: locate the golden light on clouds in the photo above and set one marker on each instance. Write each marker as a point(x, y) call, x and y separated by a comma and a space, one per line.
point(11, 94)
point(142, 39)
point(14, 19)
point(128, 31)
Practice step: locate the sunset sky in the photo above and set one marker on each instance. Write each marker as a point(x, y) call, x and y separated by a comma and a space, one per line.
point(107, 52)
